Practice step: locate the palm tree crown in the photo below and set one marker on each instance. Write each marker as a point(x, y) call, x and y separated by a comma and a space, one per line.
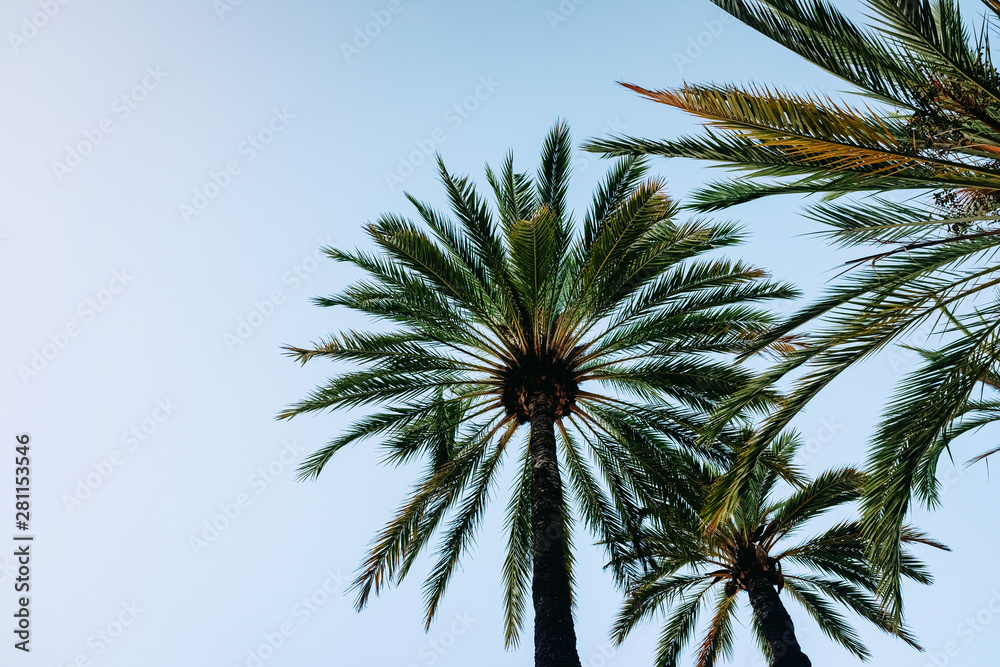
point(606, 341)
point(685, 567)
point(932, 132)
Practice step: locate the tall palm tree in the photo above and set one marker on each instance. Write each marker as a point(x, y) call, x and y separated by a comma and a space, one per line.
point(685, 567)
point(929, 128)
point(604, 341)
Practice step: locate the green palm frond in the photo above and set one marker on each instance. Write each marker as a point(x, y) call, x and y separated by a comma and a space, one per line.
point(936, 33)
point(463, 526)
point(679, 627)
point(830, 622)
point(829, 489)
point(820, 33)
point(909, 442)
point(719, 640)
point(517, 560)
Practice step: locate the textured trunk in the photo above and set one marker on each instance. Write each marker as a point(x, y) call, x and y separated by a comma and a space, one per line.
point(555, 638)
point(776, 625)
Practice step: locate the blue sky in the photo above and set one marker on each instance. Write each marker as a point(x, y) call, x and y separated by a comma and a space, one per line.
point(169, 172)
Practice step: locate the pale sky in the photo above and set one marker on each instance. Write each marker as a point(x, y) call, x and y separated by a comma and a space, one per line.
point(169, 172)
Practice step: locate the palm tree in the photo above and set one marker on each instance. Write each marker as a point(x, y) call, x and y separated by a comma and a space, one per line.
point(929, 129)
point(685, 568)
point(605, 342)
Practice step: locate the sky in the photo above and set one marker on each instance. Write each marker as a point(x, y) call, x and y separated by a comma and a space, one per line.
point(169, 172)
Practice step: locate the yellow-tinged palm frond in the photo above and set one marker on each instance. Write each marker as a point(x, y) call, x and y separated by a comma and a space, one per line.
point(819, 132)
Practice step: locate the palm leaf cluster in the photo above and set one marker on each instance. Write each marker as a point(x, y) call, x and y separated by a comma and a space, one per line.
point(616, 329)
point(690, 572)
point(929, 126)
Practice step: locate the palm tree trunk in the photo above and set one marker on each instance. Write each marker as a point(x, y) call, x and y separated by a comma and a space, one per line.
point(555, 637)
point(776, 625)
